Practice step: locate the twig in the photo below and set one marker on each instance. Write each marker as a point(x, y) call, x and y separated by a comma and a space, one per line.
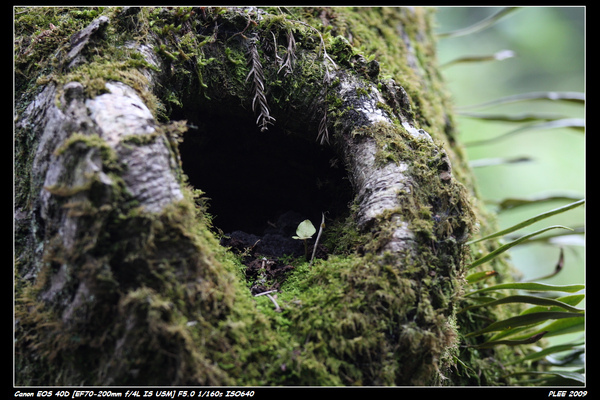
point(321, 227)
point(277, 308)
point(267, 292)
point(325, 55)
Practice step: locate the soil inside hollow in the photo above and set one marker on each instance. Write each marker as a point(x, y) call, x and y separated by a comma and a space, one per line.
point(265, 256)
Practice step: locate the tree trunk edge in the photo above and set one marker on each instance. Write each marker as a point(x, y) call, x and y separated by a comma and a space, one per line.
point(142, 302)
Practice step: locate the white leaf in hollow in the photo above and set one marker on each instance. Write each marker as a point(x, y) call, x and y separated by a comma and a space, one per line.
point(305, 230)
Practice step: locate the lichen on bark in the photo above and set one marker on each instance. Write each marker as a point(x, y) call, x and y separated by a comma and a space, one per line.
point(120, 277)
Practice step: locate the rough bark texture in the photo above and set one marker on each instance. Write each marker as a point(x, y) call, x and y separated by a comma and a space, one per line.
point(119, 276)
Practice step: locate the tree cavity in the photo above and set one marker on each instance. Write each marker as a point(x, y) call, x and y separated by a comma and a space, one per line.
point(261, 184)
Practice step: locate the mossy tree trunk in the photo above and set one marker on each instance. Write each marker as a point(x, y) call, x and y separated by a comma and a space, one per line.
point(119, 275)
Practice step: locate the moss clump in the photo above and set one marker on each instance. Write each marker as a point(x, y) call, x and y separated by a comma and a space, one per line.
point(353, 320)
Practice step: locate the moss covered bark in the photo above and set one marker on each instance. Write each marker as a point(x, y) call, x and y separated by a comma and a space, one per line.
point(119, 275)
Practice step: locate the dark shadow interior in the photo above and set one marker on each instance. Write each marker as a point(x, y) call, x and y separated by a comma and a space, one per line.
point(253, 178)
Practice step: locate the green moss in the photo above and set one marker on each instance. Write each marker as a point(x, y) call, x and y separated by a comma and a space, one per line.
point(174, 306)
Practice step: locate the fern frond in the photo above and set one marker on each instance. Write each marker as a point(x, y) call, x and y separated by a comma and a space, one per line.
point(258, 80)
point(323, 135)
point(290, 56)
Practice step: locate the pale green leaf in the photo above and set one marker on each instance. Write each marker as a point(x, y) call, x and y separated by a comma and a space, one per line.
point(565, 326)
point(510, 203)
point(481, 25)
point(507, 246)
point(478, 276)
point(576, 97)
point(498, 56)
point(489, 162)
point(305, 230)
point(573, 123)
point(525, 117)
point(531, 221)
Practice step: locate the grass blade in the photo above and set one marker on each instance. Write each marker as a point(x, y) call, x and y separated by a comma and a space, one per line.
point(510, 203)
point(565, 326)
point(575, 123)
point(576, 97)
point(572, 358)
point(538, 355)
point(529, 340)
point(507, 246)
point(527, 117)
point(531, 286)
point(523, 320)
point(566, 377)
point(555, 328)
point(540, 301)
point(530, 221)
point(498, 56)
point(488, 162)
point(478, 276)
point(481, 25)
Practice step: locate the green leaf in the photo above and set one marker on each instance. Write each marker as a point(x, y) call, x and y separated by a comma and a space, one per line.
point(305, 230)
point(529, 340)
point(531, 221)
point(523, 320)
point(531, 286)
point(498, 56)
point(510, 203)
point(478, 276)
point(567, 302)
point(565, 326)
point(527, 117)
point(573, 378)
point(576, 97)
point(538, 355)
point(507, 246)
point(481, 25)
point(556, 328)
point(571, 358)
point(574, 123)
point(488, 162)
point(573, 238)
point(541, 301)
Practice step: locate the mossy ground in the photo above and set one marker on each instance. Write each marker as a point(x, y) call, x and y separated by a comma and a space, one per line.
point(353, 319)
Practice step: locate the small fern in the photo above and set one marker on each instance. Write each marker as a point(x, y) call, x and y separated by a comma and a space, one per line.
point(258, 86)
point(290, 55)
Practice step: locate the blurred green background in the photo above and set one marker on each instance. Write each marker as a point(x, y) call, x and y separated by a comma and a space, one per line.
point(549, 48)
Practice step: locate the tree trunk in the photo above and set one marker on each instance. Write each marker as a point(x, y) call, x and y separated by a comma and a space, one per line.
point(156, 142)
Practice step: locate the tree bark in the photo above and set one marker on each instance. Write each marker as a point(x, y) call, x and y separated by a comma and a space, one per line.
point(120, 278)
